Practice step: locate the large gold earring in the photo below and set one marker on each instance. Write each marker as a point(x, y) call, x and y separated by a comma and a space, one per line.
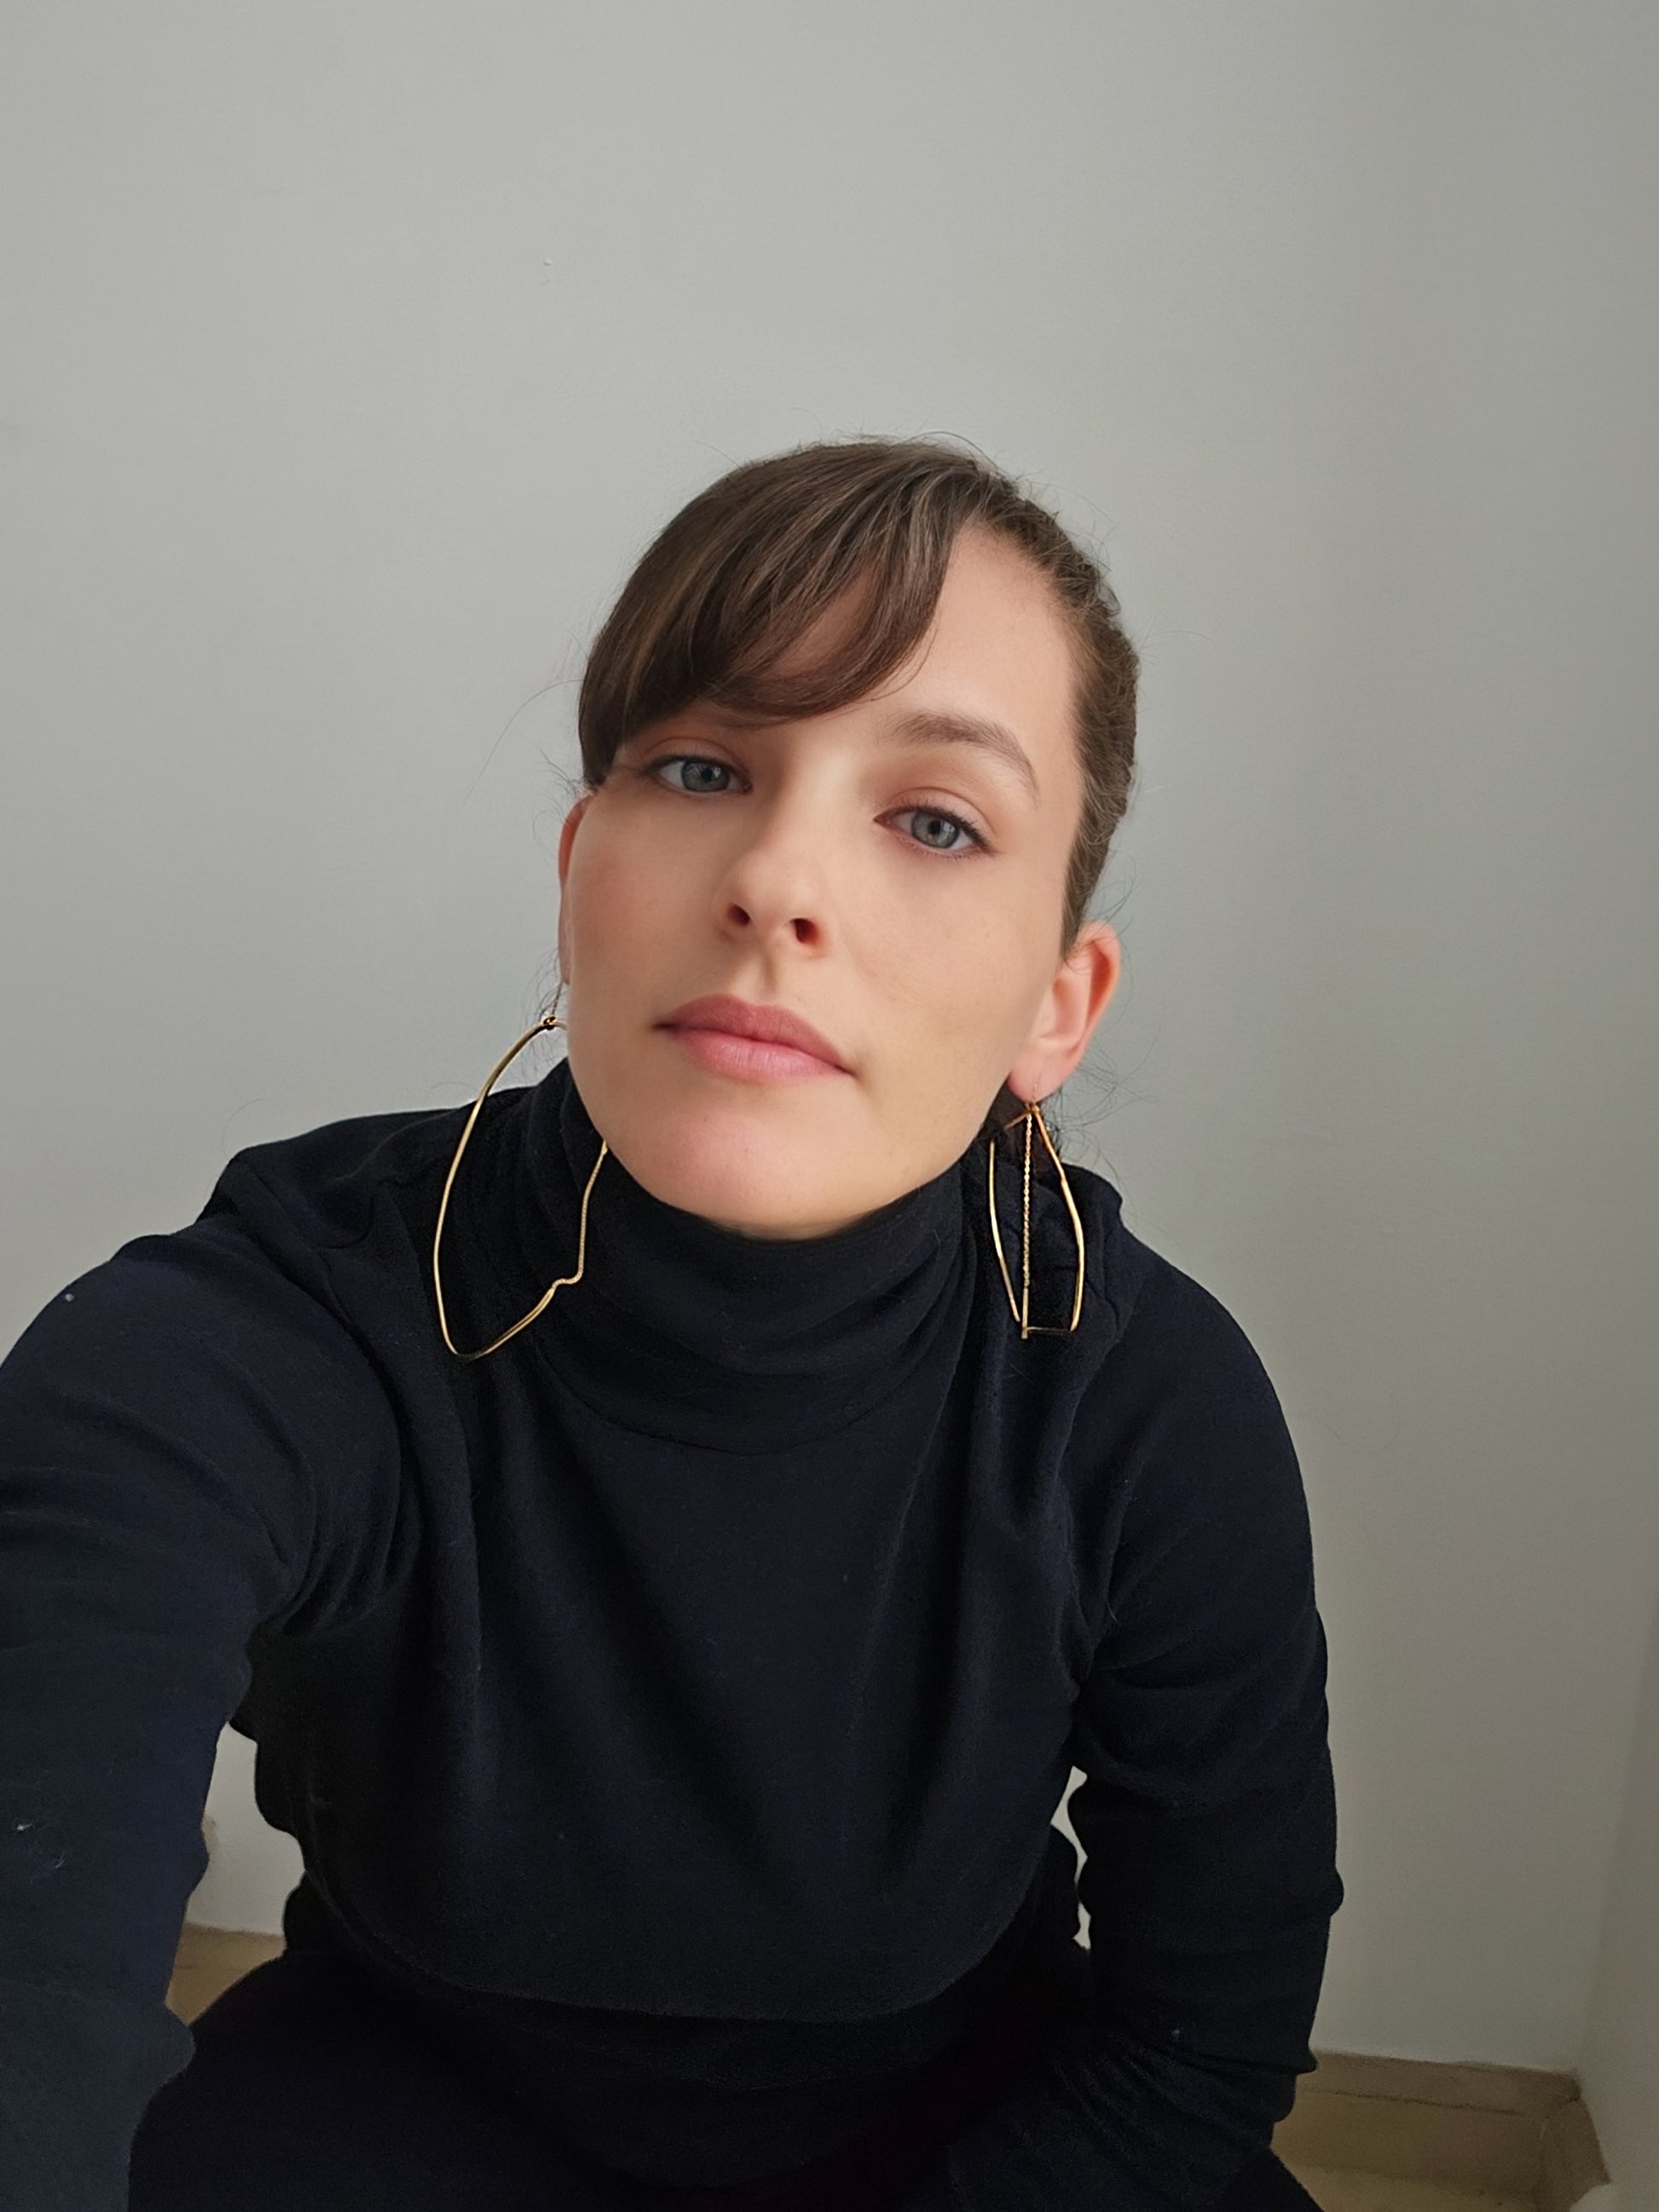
point(1021, 1309)
point(548, 1021)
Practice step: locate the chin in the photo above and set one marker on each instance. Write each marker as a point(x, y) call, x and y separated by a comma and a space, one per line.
point(741, 1177)
point(739, 1193)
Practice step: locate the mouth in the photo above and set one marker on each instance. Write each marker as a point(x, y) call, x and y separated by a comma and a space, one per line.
point(739, 1036)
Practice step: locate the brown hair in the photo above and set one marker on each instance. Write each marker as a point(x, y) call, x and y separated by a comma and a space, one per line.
point(746, 566)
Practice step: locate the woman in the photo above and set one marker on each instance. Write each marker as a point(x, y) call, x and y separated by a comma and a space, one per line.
point(671, 1528)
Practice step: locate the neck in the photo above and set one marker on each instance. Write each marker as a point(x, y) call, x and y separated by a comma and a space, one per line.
point(684, 1326)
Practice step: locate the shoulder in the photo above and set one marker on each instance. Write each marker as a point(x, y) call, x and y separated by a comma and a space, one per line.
point(325, 1182)
point(1183, 1338)
point(241, 1302)
point(1176, 1407)
point(196, 1333)
point(209, 1377)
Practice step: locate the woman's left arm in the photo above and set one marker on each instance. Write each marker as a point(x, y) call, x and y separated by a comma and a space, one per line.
point(1208, 1817)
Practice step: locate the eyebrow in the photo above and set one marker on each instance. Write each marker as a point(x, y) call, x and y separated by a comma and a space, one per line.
point(923, 727)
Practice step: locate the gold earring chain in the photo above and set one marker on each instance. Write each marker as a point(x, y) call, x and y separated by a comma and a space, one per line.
point(549, 1022)
point(1021, 1308)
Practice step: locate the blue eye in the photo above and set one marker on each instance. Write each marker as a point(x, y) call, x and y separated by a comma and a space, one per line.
point(691, 760)
point(935, 817)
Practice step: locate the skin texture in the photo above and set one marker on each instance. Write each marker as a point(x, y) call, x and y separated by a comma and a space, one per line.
point(811, 869)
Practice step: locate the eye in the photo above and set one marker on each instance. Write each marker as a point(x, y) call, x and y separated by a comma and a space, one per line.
point(934, 819)
point(690, 760)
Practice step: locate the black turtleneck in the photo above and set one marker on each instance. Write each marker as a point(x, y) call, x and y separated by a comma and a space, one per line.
point(675, 1703)
point(697, 1334)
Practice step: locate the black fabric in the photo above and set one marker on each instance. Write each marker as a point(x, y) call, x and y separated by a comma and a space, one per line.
point(311, 2090)
point(672, 1708)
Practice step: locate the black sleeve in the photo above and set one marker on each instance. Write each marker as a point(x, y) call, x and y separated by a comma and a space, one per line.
point(162, 1422)
point(1208, 1820)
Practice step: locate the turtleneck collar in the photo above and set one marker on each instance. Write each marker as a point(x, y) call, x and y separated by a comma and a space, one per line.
point(683, 1328)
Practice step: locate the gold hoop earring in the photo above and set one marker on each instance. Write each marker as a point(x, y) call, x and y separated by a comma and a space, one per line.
point(549, 1021)
point(1021, 1309)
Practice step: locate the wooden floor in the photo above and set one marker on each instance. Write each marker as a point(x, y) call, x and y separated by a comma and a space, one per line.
point(1348, 2189)
point(209, 1959)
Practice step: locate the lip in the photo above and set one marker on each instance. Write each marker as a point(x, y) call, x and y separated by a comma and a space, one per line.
point(766, 1024)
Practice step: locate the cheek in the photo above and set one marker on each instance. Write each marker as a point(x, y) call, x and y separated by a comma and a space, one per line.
point(969, 993)
point(970, 961)
point(617, 897)
point(949, 988)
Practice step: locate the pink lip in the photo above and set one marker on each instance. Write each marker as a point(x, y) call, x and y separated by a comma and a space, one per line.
point(738, 1018)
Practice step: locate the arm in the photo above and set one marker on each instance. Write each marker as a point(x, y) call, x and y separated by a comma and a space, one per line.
point(1207, 1818)
point(157, 1503)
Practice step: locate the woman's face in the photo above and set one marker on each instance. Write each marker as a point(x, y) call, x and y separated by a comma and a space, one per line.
point(900, 891)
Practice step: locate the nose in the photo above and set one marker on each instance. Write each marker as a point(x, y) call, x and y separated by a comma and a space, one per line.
point(775, 884)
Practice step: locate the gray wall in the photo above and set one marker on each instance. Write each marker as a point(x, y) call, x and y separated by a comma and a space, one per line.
point(358, 350)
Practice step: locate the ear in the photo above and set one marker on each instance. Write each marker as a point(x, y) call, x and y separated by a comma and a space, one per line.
point(567, 838)
point(1072, 1004)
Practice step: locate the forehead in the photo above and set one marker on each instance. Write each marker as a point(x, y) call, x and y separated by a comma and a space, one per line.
point(999, 644)
point(998, 608)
